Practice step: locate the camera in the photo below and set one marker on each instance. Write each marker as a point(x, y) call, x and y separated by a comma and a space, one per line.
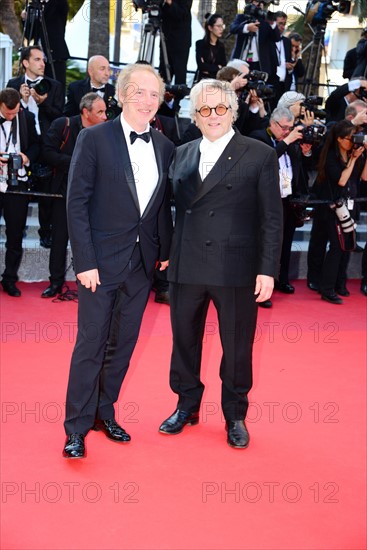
point(346, 222)
point(152, 7)
point(179, 91)
point(112, 108)
point(42, 87)
point(313, 134)
point(318, 13)
point(15, 163)
point(311, 104)
point(358, 140)
point(256, 80)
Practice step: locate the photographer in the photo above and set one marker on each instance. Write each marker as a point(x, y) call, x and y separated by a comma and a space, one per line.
point(342, 96)
point(293, 157)
point(295, 67)
point(99, 72)
point(58, 148)
point(17, 136)
point(255, 31)
point(44, 97)
point(342, 166)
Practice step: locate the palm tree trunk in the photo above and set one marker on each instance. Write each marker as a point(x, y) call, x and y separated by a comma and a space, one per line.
point(228, 10)
point(99, 35)
point(10, 22)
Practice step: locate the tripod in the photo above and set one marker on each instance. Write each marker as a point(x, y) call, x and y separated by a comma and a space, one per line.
point(151, 29)
point(35, 29)
point(317, 49)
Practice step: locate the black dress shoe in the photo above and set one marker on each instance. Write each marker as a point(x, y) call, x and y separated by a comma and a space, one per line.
point(266, 304)
point(177, 421)
point(237, 434)
point(11, 289)
point(112, 430)
point(286, 288)
point(332, 298)
point(51, 291)
point(46, 241)
point(162, 297)
point(342, 291)
point(74, 446)
point(313, 286)
point(364, 288)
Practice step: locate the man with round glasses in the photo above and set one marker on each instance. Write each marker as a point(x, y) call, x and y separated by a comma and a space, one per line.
point(226, 249)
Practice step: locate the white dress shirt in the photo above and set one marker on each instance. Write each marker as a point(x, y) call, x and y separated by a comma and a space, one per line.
point(143, 163)
point(211, 151)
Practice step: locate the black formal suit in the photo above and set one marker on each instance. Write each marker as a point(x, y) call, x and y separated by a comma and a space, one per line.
point(63, 130)
point(16, 206)
point(227, 231)
point(104, 223)
point(76, 90)
point(336, 104)
point(265, 35)
point(49, 109)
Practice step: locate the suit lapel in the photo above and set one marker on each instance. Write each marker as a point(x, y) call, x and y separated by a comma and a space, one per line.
point(123, 153)
point(158, 157)
point(226, 163)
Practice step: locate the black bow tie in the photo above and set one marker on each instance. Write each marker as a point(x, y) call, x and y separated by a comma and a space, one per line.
point(134, 136)
point(31, 82)
point(98, 89)
point(2, 120)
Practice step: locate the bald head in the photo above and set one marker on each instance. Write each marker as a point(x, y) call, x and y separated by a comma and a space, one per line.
point(98, 70)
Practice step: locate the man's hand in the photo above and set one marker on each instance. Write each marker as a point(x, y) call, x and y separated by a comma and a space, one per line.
point(253, 27)
point(163, 265)
point(39, 99)
point(360, 118)
point(294, 135)
point(89, 279)
point(264, 287)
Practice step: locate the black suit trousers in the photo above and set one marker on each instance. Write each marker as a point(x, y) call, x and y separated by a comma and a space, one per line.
point(237, 314)
point(60, 237)
point(15, 209)
point(108, 326)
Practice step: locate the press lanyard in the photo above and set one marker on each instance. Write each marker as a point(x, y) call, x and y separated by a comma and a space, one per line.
point(12, 135)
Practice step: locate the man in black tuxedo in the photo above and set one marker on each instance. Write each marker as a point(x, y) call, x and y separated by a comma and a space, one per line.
point(120, 224)
point(44, 97)
point(17, 135)
point(58, 148)
point(99, 72)
point(176, 27)
point(254, 41)
point(225, 249)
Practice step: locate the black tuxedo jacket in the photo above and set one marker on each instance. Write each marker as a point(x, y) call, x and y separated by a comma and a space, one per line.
point(103, 211)
point(228, 227)
point(267, 54)
point(51, 108)
point(77, 90)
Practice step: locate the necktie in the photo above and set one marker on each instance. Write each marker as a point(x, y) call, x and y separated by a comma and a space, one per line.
point(134, 136)
point(98, 89)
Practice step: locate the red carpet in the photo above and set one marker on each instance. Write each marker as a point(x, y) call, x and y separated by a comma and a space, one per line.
point(299, 485)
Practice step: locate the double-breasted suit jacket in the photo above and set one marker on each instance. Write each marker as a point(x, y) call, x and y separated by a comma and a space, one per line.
point(227, 226)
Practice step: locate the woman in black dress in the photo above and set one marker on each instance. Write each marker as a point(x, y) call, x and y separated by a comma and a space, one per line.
point(210, 53)
point(342, 166)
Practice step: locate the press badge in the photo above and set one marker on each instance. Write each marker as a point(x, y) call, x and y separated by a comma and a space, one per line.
point(350, 204)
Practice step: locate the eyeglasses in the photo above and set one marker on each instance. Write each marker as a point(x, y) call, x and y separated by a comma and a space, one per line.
point(347, 138)
point(206, 111)
point(220, 26)
point(285, 128)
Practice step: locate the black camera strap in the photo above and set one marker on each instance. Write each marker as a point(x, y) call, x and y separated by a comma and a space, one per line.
point(12, 135)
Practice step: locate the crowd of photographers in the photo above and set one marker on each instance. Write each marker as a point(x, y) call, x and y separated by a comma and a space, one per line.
point(321, 153)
